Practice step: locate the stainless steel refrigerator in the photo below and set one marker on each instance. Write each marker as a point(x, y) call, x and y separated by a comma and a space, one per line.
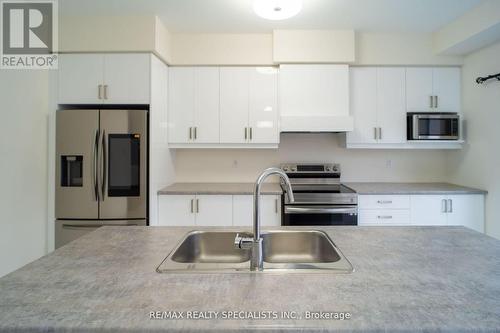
point(101, 170)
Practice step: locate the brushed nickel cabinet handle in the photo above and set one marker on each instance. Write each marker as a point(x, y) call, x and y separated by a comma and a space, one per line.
point(105, 91)
point(384, 201)
point(196, 133)
point(190, 133)
point(246, 133)
point(276, 205)
point(192, 205)
point(450, 206)
point(384, 217)
point(375, 133)
point(431, 101)
point(380, 133)
point(197, 205)
point(436, 102)
point(251, 133)
point(444, 206)
point(99, 91)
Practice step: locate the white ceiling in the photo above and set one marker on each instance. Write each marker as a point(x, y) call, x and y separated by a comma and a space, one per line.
point(237, 15)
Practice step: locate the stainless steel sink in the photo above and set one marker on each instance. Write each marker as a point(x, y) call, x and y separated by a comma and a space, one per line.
point(284, 250)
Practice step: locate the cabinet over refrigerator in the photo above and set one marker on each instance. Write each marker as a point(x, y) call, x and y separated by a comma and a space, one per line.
point(101, 170)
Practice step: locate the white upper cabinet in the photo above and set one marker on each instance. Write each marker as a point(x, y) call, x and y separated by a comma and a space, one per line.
point(249, 105)
point(206, 111)
point(314, 98)
point(391, 115)
point(446, 83)
point(363, 89)
point(127, 78)
point(81, 78)
point(104, 79)
point(234, 96)
point(263, 105)
point(181, 103)
point(433, 89)
point(194, 105)
point(377, 105)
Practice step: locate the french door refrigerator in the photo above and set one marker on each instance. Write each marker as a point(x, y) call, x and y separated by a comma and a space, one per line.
point(101, 170)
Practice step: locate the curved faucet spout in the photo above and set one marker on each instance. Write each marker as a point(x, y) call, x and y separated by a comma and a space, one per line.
point(257, 260)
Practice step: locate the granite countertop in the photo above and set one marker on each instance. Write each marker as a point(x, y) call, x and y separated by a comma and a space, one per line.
point(406, 279)
point(360, 188)
point(219, 188)
point(412, 188)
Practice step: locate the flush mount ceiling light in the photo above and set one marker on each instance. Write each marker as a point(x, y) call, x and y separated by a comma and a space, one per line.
point(277, 9)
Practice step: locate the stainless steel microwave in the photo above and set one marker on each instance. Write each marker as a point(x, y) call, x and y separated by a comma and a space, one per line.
point(433, 126)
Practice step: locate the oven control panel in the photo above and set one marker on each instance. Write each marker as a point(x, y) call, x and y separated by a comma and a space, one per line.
point(310, 168)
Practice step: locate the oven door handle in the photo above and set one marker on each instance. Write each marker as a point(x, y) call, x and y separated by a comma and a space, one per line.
point(320, 210)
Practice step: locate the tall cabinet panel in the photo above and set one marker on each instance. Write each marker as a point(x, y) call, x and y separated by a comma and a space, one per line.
point(181, 104)
point(391, 115)
point(234, 97)
point(81, 78)
point(263, 105)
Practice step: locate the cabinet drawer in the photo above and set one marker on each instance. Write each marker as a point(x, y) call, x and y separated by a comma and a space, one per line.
point(384, 217)
point(384, 201)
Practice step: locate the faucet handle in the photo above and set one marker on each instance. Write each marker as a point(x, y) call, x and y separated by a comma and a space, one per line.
point(241, 242)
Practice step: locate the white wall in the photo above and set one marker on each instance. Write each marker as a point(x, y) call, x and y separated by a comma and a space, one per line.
point(23, 169)
point(357, 165)
point(478, 164)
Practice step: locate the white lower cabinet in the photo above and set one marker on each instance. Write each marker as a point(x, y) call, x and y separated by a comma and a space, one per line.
point(176, 210)
point(217, 210)
point(270, 210)
point(463, 210)
point(422, 210)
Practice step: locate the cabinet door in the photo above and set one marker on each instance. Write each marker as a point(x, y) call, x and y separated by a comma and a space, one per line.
point(363, 81)
point(234, 94)
point(418, 89)
point(428, 210)
point(320, 90)
point(466, 210)
point(242, 210)
point(391, 112)
point(79, 78)
point(127, 78)
point(270, 210)
point(446, 87)
point(270, 213)
point(263, 109)
point(214, 210)
point(206, 111)
point(181, 104)
point(176, 210)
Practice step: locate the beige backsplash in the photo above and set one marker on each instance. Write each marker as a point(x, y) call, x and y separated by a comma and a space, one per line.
point(239, 165)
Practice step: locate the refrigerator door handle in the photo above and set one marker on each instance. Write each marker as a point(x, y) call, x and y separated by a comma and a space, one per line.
point(95, 153)
point(103, 165)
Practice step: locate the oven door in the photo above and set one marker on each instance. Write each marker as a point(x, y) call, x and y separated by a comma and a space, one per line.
point(435, 127)
point(319, 215)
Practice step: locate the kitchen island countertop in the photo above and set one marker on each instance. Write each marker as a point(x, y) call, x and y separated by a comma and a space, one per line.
point(411, 279)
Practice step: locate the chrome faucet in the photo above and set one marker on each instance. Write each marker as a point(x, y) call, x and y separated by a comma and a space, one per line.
point(255, 243)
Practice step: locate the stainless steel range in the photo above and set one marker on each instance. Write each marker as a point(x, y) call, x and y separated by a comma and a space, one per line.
point(320, 198)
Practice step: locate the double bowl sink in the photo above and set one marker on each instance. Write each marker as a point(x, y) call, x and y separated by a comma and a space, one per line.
point(283, 251)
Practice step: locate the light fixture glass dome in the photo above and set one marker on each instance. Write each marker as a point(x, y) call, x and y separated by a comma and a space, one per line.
point(277, 9)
